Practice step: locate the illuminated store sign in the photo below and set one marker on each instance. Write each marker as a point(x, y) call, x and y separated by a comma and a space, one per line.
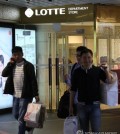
point(54, 11)
point(44, 12)
point(58, 14)
point(75, 10)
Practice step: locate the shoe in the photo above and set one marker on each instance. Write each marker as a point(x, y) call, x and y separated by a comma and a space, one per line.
point(31, 131)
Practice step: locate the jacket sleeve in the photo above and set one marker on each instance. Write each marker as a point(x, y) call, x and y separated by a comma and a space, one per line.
point(34, 81)
point(8, 70)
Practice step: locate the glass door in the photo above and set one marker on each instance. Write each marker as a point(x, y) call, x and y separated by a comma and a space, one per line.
point(61, 57)
point(65, 57)
point(55, 67)
point(56, 56)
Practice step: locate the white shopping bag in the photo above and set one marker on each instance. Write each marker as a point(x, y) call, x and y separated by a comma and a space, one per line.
point(35, 115)
point(109, 92)
point(71, 125)
point(33, 112)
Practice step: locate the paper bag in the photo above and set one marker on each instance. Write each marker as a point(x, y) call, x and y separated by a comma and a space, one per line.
point(35, 115)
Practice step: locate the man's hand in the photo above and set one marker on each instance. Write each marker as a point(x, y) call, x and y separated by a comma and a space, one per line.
point(37, 98)
point(104, 66)
point(12, 60)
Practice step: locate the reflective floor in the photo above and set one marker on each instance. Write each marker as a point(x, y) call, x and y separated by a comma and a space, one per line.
point(53, 125)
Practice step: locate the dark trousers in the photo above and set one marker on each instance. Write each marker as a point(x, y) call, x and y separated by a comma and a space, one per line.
point(89, 114)
point(19, 110)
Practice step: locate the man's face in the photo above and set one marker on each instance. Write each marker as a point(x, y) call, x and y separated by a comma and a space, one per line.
point(86, 59)
point(17, 56)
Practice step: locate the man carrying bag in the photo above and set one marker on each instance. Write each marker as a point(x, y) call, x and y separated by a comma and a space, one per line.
point(22, 84)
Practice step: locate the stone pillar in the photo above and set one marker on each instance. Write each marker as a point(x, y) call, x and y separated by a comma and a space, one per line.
point(42, 63)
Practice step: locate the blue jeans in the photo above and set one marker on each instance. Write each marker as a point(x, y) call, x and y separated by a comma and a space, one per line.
point(89, 113)
point(19, 110)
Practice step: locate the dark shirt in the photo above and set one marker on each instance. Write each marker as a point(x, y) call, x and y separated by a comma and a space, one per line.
point(88, 83)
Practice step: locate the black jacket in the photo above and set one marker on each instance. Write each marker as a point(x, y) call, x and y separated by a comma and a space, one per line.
point(87, 83)
point(30, 87)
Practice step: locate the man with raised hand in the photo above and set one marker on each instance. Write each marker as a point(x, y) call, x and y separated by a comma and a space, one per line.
point(86, 80)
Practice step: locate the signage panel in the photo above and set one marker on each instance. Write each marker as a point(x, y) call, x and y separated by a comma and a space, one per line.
point(71, 13)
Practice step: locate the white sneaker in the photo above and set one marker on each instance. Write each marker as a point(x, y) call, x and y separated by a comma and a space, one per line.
point(31, 131)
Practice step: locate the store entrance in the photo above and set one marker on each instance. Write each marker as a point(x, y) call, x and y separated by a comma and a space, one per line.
point(60, 67)
point(66, 54)
point(57, 54)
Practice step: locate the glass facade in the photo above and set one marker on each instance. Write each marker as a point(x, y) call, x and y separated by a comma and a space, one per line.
point(56, 53)
point(53, 50)
point(100, 35)
point(52, 46)
point(108, 40)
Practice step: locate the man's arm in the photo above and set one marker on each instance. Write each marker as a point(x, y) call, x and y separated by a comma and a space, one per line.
point(7, 70)
point(72, 96)
point(73, 91)
point(68, 76)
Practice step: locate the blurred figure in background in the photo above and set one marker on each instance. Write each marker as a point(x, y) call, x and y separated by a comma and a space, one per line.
point(74, 67)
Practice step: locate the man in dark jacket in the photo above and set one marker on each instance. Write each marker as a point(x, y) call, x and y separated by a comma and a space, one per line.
point(86, 80)
point(22, 84)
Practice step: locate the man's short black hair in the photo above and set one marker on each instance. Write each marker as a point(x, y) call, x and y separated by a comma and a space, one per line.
point(86, 51)
point(2, 59)
point(80, 48)
point(17, 49)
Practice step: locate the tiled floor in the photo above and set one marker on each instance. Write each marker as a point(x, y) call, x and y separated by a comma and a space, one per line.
point(53, 125)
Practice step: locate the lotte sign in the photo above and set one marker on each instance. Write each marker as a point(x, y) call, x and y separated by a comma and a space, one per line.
point(58, 14)
point(43, 12)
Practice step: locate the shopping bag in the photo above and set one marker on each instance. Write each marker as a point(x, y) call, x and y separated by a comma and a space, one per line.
point(109, 92)
point(71, 125)
point(35, 115)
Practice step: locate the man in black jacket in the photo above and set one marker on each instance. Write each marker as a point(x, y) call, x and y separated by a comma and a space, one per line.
point(86, 79)
point(22, 84)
